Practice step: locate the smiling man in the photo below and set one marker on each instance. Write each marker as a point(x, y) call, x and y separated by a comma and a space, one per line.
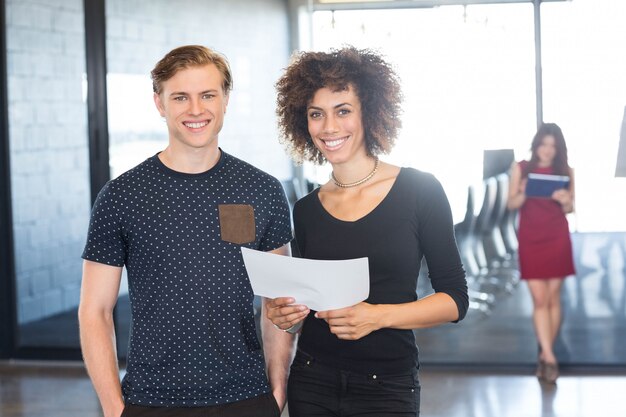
point(177, 222)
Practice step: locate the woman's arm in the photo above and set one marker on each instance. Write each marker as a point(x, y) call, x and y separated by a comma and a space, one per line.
point(517, 187)
point(565, 197)
point(355, 322)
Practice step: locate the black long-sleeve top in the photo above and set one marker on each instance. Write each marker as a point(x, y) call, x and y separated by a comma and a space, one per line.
point(412, 222)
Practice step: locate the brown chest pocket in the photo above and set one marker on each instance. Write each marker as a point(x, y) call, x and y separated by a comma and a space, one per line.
point(237, 223)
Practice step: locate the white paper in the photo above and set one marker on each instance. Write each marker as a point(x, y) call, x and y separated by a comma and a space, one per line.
point(319, 285)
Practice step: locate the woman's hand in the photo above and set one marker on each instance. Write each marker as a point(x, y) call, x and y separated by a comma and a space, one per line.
point(517, 188)
point(565, 199)
point(352, 323)
point(283, 313)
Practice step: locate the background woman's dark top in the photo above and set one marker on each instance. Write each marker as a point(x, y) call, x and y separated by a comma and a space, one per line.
point(413, 221)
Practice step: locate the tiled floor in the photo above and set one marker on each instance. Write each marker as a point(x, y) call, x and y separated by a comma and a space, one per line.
point(63, 390)
point(594, 317)
point(493, 355)
point(593, 332)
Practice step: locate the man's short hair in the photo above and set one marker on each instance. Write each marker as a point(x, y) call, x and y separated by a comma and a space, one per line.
point(190, 56)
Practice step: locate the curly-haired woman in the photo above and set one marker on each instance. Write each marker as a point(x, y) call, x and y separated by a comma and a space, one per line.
point(342, 107)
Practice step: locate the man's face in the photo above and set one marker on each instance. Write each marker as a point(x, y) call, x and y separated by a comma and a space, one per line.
point(193, 105)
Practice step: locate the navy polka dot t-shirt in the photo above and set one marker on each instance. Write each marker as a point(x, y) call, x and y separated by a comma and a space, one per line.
point(193, 340)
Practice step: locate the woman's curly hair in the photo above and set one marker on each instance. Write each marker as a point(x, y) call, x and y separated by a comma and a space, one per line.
point(375, 83)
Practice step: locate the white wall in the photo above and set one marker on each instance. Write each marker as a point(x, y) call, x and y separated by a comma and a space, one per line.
point(49, 154)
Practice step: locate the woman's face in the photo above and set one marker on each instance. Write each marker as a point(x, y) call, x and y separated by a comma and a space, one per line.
point(546, 151)
point(335, 124)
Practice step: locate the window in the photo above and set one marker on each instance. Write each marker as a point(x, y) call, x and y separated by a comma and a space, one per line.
point(584, 84)
point(467, 76)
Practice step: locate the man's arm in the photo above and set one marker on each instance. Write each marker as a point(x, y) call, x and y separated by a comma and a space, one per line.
point(99, 291)
point(278, 347)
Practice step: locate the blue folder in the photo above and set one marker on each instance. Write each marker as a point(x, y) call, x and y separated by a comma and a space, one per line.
point(543, 185)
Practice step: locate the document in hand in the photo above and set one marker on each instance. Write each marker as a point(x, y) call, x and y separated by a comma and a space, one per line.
point(543, 185)
point(320, 285)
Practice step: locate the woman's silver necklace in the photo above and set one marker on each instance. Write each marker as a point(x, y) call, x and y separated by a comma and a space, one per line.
point(355, 183)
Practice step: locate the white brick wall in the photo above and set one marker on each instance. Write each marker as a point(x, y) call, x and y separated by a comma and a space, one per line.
point(48, 138)
point(253, 34)
point(47, 115)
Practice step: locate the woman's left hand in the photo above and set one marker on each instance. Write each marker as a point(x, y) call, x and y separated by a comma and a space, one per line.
point(352, 323)
point(564, 198)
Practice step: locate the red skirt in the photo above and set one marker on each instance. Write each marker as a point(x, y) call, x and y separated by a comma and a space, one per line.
point(545, 246)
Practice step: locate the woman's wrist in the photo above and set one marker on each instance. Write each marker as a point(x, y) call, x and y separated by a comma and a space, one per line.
point(384, 315)
point(517, 200)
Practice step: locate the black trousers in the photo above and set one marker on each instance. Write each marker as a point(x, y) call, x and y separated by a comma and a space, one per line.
point(317, 390)
point(261, 406)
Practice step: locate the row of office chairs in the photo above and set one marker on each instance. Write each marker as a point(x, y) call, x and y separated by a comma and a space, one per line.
point(487, 242)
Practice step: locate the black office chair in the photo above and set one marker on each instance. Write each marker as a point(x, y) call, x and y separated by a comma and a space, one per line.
point(465, 236)
point(501, 262)
point(498, 275)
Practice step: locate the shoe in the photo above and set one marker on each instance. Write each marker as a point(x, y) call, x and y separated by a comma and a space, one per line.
point(551, 372)
point(541, 369)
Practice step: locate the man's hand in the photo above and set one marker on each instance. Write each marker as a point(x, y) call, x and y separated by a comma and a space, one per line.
point(283, 313)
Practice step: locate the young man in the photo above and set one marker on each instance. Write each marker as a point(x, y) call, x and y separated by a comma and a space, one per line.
point(177, 222)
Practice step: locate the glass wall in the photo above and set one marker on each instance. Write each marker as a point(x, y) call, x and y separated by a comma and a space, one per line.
point(455, 63)
point(469, 82)
point(49, 166)
point(468, 76)
point(584, 79)
point(140, 32)
point(584, 55)
point(47, 87)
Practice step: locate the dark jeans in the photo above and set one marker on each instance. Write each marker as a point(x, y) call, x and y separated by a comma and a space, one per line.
point(261, 406)
point(317, 390)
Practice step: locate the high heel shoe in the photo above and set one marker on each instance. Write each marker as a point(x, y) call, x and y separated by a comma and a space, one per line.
point(550, 372)
point(541, 370)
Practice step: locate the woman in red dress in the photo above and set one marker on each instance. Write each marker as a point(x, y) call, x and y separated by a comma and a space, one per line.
point(545, 248)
